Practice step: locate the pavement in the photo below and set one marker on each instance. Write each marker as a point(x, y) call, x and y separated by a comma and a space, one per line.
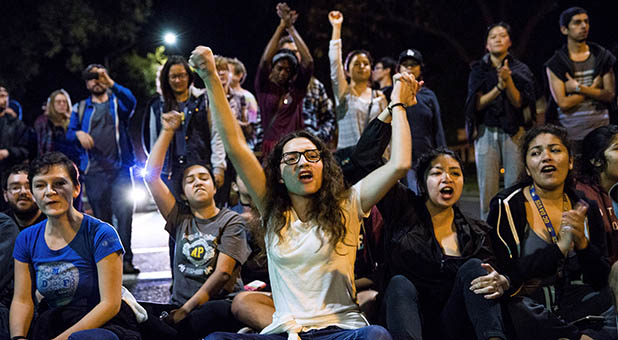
point(151, 256)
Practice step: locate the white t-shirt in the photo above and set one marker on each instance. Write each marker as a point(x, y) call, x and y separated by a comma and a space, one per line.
point(312, 283)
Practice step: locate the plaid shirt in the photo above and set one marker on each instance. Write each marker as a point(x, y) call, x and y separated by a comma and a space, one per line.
point(318, 114)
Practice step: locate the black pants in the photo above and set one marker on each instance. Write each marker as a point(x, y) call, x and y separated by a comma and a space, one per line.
point(464, 316)
point(215, 315)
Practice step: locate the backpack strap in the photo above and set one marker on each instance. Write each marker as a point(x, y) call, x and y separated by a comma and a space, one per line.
point(80, 111)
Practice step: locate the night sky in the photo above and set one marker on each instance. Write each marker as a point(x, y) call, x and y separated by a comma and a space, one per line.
point(242, 28)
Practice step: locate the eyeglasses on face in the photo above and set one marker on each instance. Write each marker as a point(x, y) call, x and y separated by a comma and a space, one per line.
point(293, 157)
point(181, 76)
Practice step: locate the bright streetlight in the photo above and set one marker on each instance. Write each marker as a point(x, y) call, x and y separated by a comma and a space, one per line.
point(169, 38)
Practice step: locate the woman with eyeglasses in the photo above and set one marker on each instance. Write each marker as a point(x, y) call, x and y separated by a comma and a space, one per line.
point(310, 221)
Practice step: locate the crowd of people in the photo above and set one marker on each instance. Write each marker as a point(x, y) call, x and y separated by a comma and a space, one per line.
point(345, 208)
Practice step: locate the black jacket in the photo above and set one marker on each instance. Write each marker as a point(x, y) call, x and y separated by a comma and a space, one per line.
point(411, 248)
point(507, 216)
point(16, 137)
point(499, 113)
point(560, 64)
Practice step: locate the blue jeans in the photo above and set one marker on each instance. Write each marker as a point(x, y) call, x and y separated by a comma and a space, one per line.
point(329, 333)
point(464, 316)
point(94, 334)
point(493, 148)
point(108, 195)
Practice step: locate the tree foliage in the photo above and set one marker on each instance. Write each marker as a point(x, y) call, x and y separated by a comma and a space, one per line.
point(71, 30)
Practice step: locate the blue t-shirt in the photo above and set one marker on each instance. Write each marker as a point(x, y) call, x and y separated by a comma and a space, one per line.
point(68, 275)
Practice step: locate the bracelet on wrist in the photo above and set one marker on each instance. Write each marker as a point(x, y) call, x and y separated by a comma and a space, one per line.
point(19, 337)
point(499, 89)
point(392, 106)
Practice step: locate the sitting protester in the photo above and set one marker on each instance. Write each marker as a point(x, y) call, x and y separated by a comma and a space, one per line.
point(549, 241)
point(210, 246)
point(597, 174)
point(72, 259)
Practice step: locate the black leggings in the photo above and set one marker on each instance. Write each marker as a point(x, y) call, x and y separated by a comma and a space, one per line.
point(212, 316)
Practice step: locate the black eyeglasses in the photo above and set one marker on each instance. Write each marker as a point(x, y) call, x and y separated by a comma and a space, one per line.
point(293, 157)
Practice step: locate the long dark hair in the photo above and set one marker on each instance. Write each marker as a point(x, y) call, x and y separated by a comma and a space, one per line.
point(326, 204)
point(557, 131)
point(593, 151)
point(169, 100)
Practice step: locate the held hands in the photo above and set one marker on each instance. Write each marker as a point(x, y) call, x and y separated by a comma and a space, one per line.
point(571, 84)
point(85, 139)
point(405, 87)
point(288, 16)
point(335, 18)
point(492, 285)
point(572, 230)
point(171, 121)
point(203, 61)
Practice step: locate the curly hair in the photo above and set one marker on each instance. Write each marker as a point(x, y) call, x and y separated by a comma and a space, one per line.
point(593, 150)
point(326, 204)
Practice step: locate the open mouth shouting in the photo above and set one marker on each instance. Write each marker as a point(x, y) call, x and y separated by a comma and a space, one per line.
point(548, 169)
point(447, 193)
point(305, 176)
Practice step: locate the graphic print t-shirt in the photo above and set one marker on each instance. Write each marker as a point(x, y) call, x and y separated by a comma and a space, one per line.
point(68, 275)
point(195, 249)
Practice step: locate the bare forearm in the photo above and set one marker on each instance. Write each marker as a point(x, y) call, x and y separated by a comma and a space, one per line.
point(513, 94)
point(483, 100)
point(401, 142)
point(97, 317)
point(211, 287)
point(273, 43)
point(306, 58)
point(336, 34)
point(157, 155)
point(602, 95)
point(570, 101)
point(20, 318)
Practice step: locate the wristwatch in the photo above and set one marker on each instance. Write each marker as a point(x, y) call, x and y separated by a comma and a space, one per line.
point(578, 88)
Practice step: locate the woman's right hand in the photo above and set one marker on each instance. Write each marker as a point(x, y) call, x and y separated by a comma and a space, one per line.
point(170, 121)
point(335, 18)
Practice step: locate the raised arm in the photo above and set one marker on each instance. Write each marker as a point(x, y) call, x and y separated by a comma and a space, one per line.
point(375, 185)
point(273, 43)
point(158, 189)
point(109, 271)
point(243, 159)
point(337, 75)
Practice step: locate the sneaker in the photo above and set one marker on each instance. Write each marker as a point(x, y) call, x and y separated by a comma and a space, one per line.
point(128, 268)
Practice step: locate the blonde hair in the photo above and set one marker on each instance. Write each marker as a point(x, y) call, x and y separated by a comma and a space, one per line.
point(58, 118)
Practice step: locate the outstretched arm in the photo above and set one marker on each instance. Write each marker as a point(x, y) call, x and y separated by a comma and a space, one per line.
point(273, 43)
point(375, 185)
point(243, 159)
point(337, 75)
point(158, 189)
